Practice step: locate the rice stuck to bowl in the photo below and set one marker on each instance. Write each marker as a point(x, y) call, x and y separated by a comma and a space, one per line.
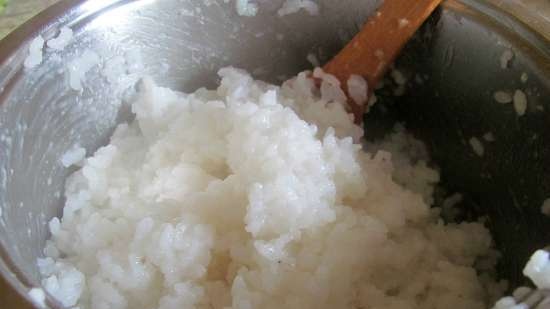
point(259, 196)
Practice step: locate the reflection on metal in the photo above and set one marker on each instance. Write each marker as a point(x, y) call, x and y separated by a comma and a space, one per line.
point(183, 43)
point(533, 13)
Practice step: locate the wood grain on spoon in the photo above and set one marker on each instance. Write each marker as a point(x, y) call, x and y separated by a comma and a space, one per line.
point(375, 47)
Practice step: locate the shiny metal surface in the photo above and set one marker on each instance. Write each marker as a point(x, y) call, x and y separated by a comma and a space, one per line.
point(183, 43)
point(534, 13)
point(460, 54)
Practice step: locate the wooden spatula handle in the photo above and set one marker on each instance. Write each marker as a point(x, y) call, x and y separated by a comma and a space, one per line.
point(380, 40)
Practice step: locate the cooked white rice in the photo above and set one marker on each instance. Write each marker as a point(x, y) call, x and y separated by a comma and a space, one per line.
point(398, 77)
point(38, 297)
point(520, 102)
point(73, 156)
point(403, 22)
point(358, 89)
point(503, 97)
point(477, 146)
point(35, 53)
point(312, 58)
point(489, 137)
point(246, 8)
point(256, 196)
point(506, 58)
point(63, 38)
point(524, 77)
point(293, 6)
point(538, 270)
point(78, 68)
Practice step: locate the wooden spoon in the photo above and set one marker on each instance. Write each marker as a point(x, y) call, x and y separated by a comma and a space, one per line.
point(374, 48)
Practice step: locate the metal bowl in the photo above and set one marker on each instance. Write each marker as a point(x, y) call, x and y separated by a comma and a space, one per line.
point(183, 43)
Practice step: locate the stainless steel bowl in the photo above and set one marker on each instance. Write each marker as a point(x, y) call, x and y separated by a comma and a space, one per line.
point(183, 43)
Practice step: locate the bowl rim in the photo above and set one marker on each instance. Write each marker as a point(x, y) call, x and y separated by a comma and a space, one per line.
point(47, 21)
point(68, 12)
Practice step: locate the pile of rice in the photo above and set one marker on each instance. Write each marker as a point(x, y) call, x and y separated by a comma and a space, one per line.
point(258, 196)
